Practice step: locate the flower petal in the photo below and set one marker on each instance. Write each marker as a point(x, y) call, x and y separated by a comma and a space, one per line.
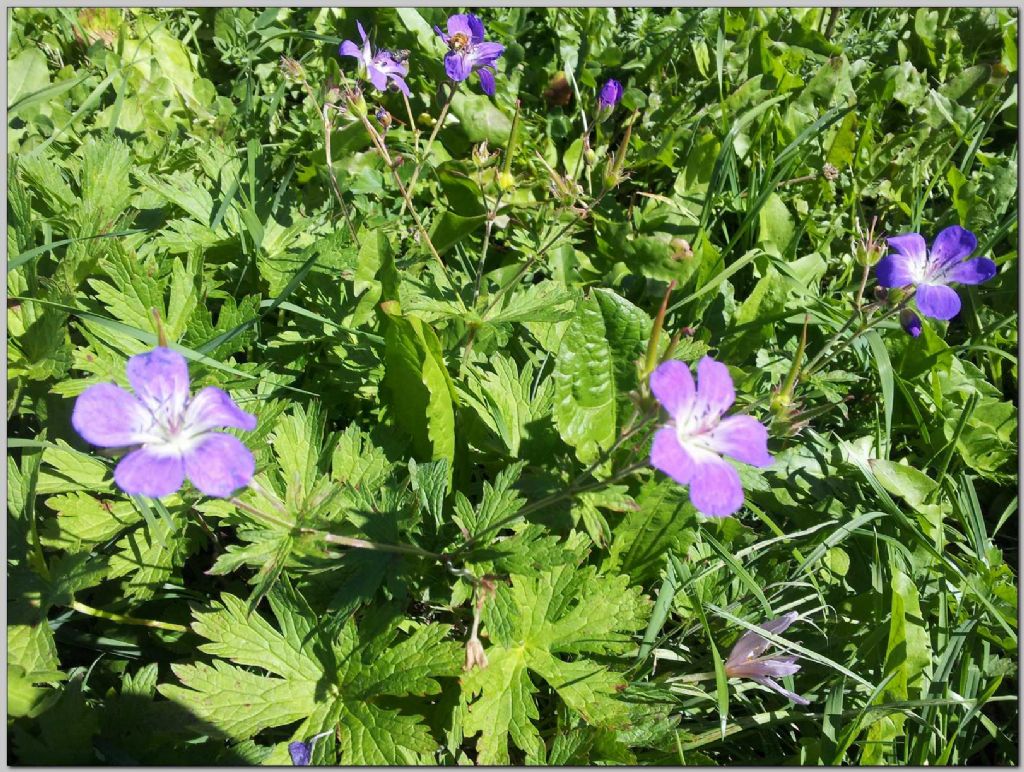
point(952, 245)
point(744, 438)
point(937, 301)
point(487, 84)
point(160, 380)
point(457, 65)
point(150, 472)
point(377, 77)
point(910, 245)
point(212, 408)
point(784, 692)
point(779, 624)
point(777, 667)
point(487, 53)
point(670, 457)
point(444, 35)
point(219, 464)
point(715, 488)
point(715, 392)
point(672, 385)
point(401, 84)
point(895, 270)
point(348, 48)
point(476, 29)
point(362, 32)
point(459, 22)
point(975, 271)
point(110, 417)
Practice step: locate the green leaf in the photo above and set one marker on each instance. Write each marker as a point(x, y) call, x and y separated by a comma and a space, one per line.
point(449, 229)
point(561, 611)
point(584, 377)
point(323, 682)
point(480, 119)
point(903, 480)
point(663, 520)
point(419, 390)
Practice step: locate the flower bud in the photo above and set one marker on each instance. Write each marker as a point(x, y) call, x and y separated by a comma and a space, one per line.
point(590, 156)
point(611, 93)
point(911, 322)
point(356, 103)
point(681, 249)
point(475, 656)
point(506, 182)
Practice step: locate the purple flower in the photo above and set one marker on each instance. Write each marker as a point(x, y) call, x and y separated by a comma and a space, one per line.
point(172, 433)
point(378, 68)
point(611, 93)
point(931, 272)
point(690, 448)
point(302, 752)
point(746, 660)
point(911, 322)
point(468, 52)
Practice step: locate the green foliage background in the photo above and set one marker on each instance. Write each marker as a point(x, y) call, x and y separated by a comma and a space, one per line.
point(164, 160)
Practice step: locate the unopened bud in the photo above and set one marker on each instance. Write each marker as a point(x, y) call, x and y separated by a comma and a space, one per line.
point(356, 103)
point(590, 157)
point(681, 249)
point(384, 118)
point(911, 322)
point(506, 182)
point(475, 656)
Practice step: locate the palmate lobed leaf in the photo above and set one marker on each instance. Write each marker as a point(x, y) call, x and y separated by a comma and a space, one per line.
point(562, 611)
point(329, 684)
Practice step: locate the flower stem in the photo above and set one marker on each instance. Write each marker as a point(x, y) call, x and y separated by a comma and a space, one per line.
point(365, 544)
point(382, 150)
point(95, 612)
point(412, 123)
point(430, 143)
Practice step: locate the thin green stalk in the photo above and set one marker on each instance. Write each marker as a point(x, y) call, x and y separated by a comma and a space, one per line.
point(382, 150)
point(817, 362)
point(99, 613)
point(430, 143)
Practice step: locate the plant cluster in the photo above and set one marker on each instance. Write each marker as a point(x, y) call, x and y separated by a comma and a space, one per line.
point(402, 387)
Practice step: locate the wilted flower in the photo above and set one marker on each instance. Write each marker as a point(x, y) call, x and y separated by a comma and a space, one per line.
point(302, 752)
point(468, 52)
point(931, 272)
point(746, 660)
point(690, 448)
point(378, 68)
point(611, 93)
point(829, 172)
point(911, 322)
point(173, 434)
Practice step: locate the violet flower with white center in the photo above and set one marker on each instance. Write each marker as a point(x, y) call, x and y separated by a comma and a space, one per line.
point(691, 447)
point(172, 433)
point(746, 659)
point(609, 96)
point(931, 272)
point(468, 52)
point(380, 67)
